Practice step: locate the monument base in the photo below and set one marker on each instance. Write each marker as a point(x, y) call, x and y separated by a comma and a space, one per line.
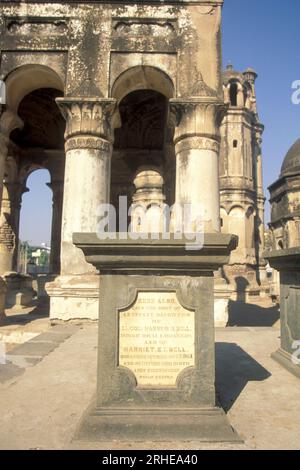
point(74, 297)
point(287, 262)
point(163, 424)
point(156, 351)
point(285, 360)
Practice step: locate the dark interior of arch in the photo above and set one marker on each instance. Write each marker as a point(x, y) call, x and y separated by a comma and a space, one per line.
point(43, 123)
point(143, 116)
point(233, 94)
point(143, 140)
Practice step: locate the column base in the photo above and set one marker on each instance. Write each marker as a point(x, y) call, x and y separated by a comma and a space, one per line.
point(156, 424)
point(285, 359)
point(20, 292)
point(74, 297)
point(222, 295)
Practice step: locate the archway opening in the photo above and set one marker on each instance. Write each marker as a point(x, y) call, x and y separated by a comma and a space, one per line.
point(35, 231)
point(142, 143)
point(234, 94)
point(43, 123)
point(35, 225)
point(37, 159)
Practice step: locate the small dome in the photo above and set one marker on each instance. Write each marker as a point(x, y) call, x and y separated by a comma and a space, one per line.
point(250, 70)
point(148, 179)
point(291, 164)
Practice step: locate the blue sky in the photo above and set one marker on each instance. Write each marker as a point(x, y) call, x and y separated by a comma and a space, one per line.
point(263, 34)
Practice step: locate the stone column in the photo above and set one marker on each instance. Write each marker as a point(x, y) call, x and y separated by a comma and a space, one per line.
point(57, 188)
point(3, 154)
point(197, 158)
point(9, 226)
point(8, 122)
point(19, 286)
point(89, 140)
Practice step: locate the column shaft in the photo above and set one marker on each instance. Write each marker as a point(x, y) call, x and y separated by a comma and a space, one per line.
point(57, 206)
point(197, 159)
point(87, 173)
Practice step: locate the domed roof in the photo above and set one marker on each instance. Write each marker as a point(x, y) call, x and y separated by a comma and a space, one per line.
point(291, 163)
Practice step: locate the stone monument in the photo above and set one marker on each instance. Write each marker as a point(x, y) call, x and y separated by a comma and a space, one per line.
point(287, 262)
point(285, 257)
point(156, 353)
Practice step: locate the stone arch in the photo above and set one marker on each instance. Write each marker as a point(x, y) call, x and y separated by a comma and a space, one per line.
point(27, 170)
point(142, 78)
point(236, 224)
point(27, 78)
point(237, 211)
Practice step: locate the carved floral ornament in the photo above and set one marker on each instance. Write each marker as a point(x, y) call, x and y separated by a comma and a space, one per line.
point(89, 121)
point(198, 143)
point(199, 119)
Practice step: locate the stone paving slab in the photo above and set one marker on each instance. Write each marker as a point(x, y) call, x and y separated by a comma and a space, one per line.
point(10, 371)
point(51, 337)
point(41, 408)
point(33, 348)
point(30, 353)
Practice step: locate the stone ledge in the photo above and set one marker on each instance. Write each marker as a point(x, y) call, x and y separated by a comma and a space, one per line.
point(285, 360)
point(125, 255)
point(157, 424)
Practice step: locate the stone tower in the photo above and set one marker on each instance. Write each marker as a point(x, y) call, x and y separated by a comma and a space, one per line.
point(241, 183)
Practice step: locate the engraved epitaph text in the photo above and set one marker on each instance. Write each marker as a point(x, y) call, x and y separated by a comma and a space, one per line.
point(157, 339)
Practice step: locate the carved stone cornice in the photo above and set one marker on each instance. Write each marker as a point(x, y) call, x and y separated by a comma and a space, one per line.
point(196, 142)
point(87, 142)
point(90, 122)
point(197, 117)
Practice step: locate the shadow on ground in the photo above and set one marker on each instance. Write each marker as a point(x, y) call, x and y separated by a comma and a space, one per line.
point(243, 314)
point(234, 369)
point(23, 316)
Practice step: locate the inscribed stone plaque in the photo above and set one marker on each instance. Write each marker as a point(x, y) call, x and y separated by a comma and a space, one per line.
point(157, 339)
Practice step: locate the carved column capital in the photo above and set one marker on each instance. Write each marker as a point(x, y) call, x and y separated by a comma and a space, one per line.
point(198, 120)
point(90, 122)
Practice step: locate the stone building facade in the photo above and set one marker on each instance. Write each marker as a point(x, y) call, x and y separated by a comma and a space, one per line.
point(241, 183)
point(285, 202)
point(97, 92)
point(285, 255)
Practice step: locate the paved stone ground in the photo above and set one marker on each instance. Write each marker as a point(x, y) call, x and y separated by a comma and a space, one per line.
point(49, 381)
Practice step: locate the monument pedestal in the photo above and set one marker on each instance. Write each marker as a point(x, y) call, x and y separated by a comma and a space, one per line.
point(156, 355)
point(287, 262)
